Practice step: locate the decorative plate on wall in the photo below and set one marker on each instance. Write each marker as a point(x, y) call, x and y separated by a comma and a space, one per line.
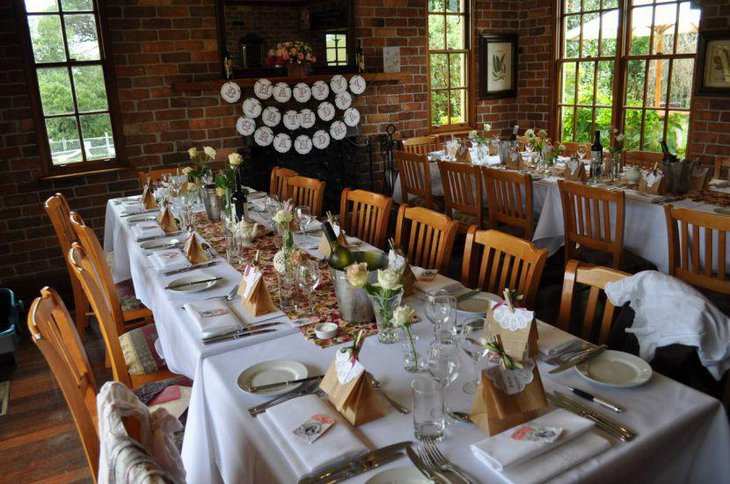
point(263, 89)
point(282, 143)
point(320, 90)
point(263, 136)
point(357, 84)
point(303, 144)
point(252, 107)
point(338, 83)
point(326, 111)
point(271, 116)
point(302, 92)
point(307, 118)
point(292, 120)
point(338, 130)
point(230, 92)
point(343, 100)
point(321, 139)
point(245, 126)
point(282, 92)
point(352, 117)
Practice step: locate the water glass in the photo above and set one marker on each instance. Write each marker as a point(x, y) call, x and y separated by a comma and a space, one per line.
point(308, 277)
point(232, 247)
point(473, 344)
point(272, 205)
point(304, 217)
point(441, 311)
point(287, 290)
point(428, 409)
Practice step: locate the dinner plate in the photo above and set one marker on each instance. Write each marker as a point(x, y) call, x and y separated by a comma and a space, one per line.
point(263, 89)
point(615, 369)
point(722, 211)
point(399, 475)
point(282, 143)
point(271, 116)
point(272, 372)
point(307, 118)
point(476, 305)
point(245, 126)
point(338, 83)
point(195, 287)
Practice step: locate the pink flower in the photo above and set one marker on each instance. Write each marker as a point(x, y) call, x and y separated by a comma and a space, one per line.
point(285, 55)
point(300, 56)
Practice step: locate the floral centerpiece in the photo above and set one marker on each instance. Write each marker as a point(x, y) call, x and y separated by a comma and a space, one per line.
point(200, 159)
point(294, 54)
point(283, 219)
point(403, 318)
point(542, 146)
point(226, 179)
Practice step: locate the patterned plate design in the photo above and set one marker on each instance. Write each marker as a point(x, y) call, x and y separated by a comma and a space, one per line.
point(320, 90)
point(263, 89)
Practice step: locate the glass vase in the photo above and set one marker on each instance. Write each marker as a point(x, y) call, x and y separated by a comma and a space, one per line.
point(412, 360)
point(383, 308)
point(287, 289)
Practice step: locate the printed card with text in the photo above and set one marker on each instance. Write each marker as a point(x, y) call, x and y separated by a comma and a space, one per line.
point(537, 433)
point(314, 427)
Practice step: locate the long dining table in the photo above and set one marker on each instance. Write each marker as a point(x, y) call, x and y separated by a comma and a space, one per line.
point(683, 435)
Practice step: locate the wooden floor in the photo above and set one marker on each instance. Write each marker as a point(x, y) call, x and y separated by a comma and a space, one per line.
point(38, 439)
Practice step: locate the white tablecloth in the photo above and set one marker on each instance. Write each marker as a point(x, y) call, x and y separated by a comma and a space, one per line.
point(683, 434)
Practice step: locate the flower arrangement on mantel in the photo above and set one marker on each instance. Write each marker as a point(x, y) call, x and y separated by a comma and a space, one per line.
point(295, 55)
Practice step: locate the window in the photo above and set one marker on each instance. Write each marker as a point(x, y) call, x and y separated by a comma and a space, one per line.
point(640, 79)
point(71, 76)
point(336, 49)
point(448, 60)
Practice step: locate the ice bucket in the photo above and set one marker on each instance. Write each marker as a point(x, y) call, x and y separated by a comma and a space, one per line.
point(353, 302)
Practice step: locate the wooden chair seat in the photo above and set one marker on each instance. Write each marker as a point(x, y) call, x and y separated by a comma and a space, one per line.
point(138, 348)
point(131, 306)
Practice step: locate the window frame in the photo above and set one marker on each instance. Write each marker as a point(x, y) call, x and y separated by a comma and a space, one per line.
point(48, 169)
point(622, 58)
point(339, 36)
point(470, 35)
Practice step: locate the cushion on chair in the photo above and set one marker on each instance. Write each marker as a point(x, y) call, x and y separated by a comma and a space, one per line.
point(127, 298)
point(138, 346)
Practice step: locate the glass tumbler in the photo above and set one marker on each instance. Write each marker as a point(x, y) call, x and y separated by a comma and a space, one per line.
point(428, 409)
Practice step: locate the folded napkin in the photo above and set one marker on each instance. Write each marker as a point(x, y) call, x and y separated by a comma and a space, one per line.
point(131, 206)
point(338, 444)
point(558, 460)
point(552, 341)
point(212, 317)
point(259, 204)
point(501, 452)
point(436, 284)
point(169, 260)
point(643, 196)
point(254, 194)
point(147, 229)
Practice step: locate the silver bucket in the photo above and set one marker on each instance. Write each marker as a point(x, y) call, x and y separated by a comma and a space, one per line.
point(214, 204)
point(353, 302)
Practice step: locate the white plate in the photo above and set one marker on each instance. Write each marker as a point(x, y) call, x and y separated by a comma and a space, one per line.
point(357, 84)
point(263, 136)
point(282, 92)
point(321, 139)
point(292, 120)
point(271, 116)
point(193, 287)
point(338, 83)
point(338, 130)
point(615, 369)
point(303, 144)
point(263, 89)
point(302, 92)
point(476, 305)
point(282, 143)
point(307, 118)
point(343, 100)
point(272, 372)
point(352, 117)
point(399, 475)
point(320, 90)
point(326, 111)
point(158, 349)
point(245, 126)
point(231, 92)
point(722, 210)
point(252, 107)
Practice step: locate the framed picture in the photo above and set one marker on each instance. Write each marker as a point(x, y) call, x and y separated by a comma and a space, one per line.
point(713, 64)
point(498, 66)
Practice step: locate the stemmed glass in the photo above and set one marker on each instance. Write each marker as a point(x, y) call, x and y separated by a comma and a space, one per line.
point(529, 148)
point(443, 363)
point(272, 205)
point(304, 217)
point(440, 310)
point(473, 344)
point(581, 152)
point(308, 278)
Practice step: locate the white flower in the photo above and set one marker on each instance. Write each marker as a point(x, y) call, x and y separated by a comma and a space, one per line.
point(187, 170)
point(561, 147)
point(389, 280)
point(529, 133)
point(234, 159)
point(487, 127)
point(403, 315)
point(193, 152)
point(620, 138)
point(473, 134)
point(220, 191)
point(283, 217)
point(357, 274)
point(396, 262)
point(542, 134)
point(210, 152)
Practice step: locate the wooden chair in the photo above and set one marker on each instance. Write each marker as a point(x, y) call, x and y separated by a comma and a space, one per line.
point(495, 261)
point(421, 146)
point(365, 215)
point(463, 199)
point(598, 309)
point(509, 198)
point(642, 159)
point(59, 211)
point(426, 236)
point(52, 331)
point(155, 175)
point(279, 176)
point(134, 360)
point(720, 166)
point(415, 179)
point(689, 233)
point(589, 214)
point(306, 191)
point(125, 305)
point(571, 148)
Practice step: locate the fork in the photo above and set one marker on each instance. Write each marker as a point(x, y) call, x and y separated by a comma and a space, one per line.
point(438, 462)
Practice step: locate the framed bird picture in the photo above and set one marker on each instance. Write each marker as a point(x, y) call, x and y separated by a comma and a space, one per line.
point(497, 66)
point(713, 64)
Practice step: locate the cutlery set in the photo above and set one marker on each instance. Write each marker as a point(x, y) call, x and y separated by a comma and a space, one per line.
point(607, 424)
point(155, 237)
point(306, 389)
point(571, 358)
point(191, 268)
point(371, 460)
point(432, 463)
point(251, 330)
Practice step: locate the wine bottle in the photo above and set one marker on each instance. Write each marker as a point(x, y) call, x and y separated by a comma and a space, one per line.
point(596, 157)
point(360, 57)
point(513, 137)
point(340, 257)
point(238, 199)
point(668, 157)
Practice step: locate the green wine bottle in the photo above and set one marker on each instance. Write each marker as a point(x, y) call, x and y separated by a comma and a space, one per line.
point(340, 257)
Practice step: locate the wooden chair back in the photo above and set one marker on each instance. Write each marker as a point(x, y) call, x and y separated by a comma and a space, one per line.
point(642, 159)
point(306, 191)
point(495, 261)
point(52, 331)
point(698, 248)
point(279, 176)
point(509, 198)
point(462, 184)
point(59, 211)
point(589, 213)
point(571, 148)
point(522, 141)
point(720, 167)
point(598, 309)
point(426, 236)
point(415, 175)
point(91, 280)
point(422, 145)
point(155, 175)
point(365, 215)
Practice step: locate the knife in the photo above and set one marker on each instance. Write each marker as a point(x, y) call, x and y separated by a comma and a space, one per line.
point(467, 295)
point(255, 389)
point(237, 334)
point(134, 221)
point(155, 237)
point(191, 268)
point(373, 463)
point(194, 283)
point(140, 212)
point(305, 389)
point(160, 246)
point(245, 329)
point(338, 469)
point(586, 355)
point(603, 422)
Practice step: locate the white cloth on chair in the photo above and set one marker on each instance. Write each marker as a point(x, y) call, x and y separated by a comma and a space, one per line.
point(124, 460)
point(670, 311)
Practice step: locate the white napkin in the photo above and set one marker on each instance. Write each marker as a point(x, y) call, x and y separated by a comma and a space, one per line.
point(131, 206)
point(210, 325)
point(147, 229)
point(338, 444)
point(558, 460)
point(254, 195)
point(439, 282)
point(169, 260)
point(551, 340)
point(501, 452)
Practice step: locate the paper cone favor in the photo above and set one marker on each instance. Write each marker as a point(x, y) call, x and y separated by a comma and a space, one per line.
point(148, 198)
point(255, 297)
point(350, 389)
point(575, 170)
point(193, 251)
point(463, 155)
point(653, 181)
point(167, 221)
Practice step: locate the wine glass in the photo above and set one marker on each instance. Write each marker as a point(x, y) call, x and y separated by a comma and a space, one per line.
point(308, 278)
point(581, 152)
point(443, 363)
point(440, 310)
point(272, 205)
point(473, 343)
point(304, 216)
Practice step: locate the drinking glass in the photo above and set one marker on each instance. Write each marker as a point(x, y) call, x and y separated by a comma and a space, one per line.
point(304, 217)
point(232, 247)
point(308, 278)
point(186, 202)
point(443, 363)
point(473, 342)
point(272, 205)
point(441, 310)
point(581, 152)
point(428, 409)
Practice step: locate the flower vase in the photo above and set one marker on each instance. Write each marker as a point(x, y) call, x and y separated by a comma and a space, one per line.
point(297, 71)
point(617, 166)
point(383, 308)
point(412, 360)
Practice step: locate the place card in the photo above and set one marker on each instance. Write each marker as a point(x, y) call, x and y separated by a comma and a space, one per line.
point(255, 296)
